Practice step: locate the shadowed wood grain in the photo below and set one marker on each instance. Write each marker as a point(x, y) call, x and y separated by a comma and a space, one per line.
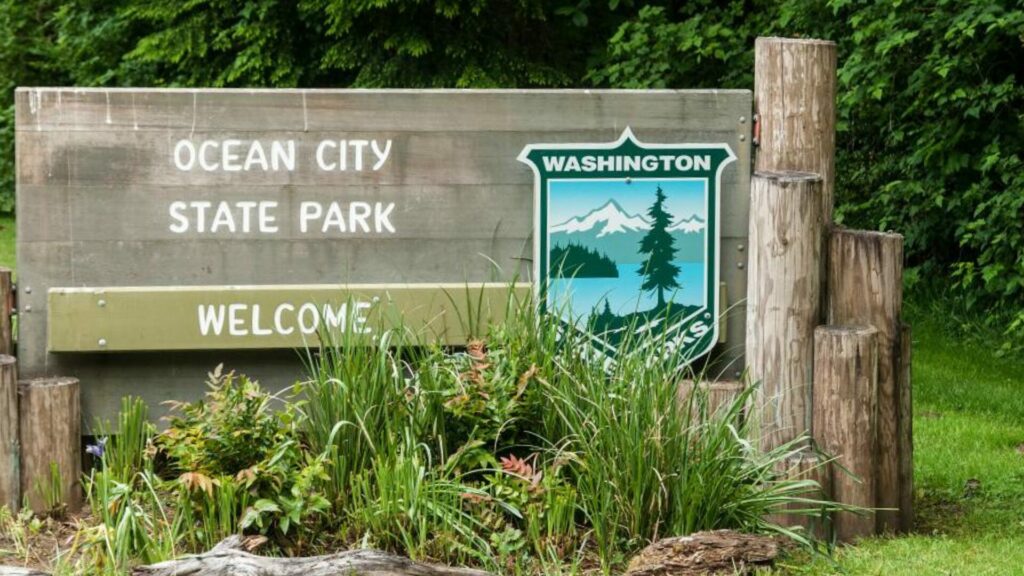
point(866, 289)
point(807, 465)
point(906, 430)
point(720, 394)
point(783, 296)
point(845, 419)
point(715, 552)
point(10, 488)
point(51, 434)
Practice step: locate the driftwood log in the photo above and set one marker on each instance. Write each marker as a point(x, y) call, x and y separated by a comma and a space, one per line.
point(717, 552)
point(19, 571)
point(229, 558)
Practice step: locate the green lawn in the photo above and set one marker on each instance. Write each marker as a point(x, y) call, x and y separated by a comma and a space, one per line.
point(968, 424)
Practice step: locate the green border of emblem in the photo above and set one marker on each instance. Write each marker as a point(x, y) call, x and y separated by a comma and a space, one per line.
point(627, 144)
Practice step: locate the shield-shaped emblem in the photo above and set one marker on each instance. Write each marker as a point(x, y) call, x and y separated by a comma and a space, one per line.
point(627, 240)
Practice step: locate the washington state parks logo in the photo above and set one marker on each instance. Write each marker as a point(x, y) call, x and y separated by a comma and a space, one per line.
point(627, 240)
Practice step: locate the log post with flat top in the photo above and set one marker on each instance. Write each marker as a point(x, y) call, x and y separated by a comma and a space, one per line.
point(866, 289)
point(783, 300)
point(845, 416)
point(795, 100)
point(51, 443)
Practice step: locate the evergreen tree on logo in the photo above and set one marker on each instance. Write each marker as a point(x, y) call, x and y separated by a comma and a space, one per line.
point(658, 270)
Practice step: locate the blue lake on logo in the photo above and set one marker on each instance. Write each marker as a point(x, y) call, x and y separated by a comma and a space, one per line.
point(624, 294)
point(608, 238)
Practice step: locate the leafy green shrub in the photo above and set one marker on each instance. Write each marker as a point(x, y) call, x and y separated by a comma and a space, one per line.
point(233, 428)
point(930, 103)
point(241, 466)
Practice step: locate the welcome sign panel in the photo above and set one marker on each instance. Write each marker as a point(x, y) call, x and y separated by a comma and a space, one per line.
point(269, 205)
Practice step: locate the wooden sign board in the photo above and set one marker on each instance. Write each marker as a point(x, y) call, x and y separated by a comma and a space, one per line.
point(163, 202)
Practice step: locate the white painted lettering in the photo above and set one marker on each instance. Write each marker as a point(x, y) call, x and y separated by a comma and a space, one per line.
point(321, 160)
point(190, 155)
point(382, 155)
point(211, 319)
point(180, 224)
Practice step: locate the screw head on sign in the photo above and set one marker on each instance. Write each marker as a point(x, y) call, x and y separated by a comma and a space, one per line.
point(741, 265)
point(101, 303)
point(102, 343)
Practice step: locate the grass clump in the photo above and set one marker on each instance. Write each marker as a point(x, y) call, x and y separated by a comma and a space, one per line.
point(523, 453)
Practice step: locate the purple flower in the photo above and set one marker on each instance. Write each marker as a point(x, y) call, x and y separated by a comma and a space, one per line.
point(98, 448)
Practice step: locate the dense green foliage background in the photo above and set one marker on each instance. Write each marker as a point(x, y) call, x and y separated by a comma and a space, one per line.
point(931, 99)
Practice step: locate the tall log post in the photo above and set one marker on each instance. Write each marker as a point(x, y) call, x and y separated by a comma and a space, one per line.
point(866, 289)
point(807, 465)
point(10, 488)
point(845, 410)
point(906, 431)
point(795, 100)
point(51, 434)
point(783, 300)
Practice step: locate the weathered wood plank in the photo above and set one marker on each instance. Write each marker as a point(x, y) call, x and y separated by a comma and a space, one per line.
point(263, 317)
point(97, 176)
point(720, 394)
point(105, 109)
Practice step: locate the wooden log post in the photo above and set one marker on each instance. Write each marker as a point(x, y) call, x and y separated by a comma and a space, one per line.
point(866, 289)
point(6, 312)
point(845, 419)
point(807, 465)
point(795, 100)
point(51, 436)
point(10, 487)
point(783, 300)
point(720, 393)
point(906, 431)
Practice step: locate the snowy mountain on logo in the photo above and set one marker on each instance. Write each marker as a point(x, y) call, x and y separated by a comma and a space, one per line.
point(611, 217)
point(615, 233)
point(688, 225)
